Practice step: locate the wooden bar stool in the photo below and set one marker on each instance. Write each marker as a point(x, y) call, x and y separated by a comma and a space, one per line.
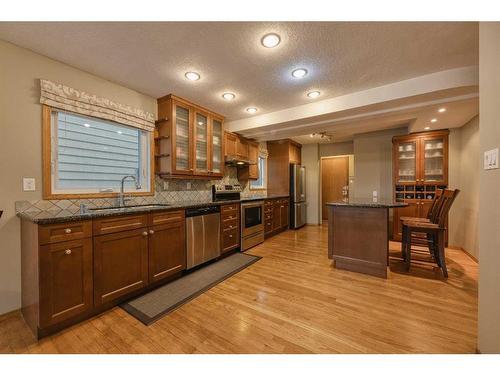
point(435, 232)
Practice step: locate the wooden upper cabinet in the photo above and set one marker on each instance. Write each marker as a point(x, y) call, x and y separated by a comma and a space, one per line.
point(188, 140)
point(242, 148)
point(230, 143)
point(295, 153)
point(252, 171)
point(282, 153)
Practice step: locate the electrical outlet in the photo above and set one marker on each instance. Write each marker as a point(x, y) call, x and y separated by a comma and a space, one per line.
point(491, 159)
point(188, 185)
point(165, 185)
point(28, 184)
point(375, 195)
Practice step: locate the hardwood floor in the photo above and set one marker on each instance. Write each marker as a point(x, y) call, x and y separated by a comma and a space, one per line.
point(291, 301)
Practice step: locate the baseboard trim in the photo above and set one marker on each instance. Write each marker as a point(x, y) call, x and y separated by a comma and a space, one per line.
point(9, 314)
point(465, 251)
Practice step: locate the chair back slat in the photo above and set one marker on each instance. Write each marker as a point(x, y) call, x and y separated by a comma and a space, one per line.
point(433, 213)
point(448, 198)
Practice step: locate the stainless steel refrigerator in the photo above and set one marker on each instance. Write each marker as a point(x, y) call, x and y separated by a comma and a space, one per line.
point(298, 206)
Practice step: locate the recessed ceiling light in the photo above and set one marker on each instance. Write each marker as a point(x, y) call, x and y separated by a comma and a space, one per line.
point(434, 120)
point(119, 132)
point(427, 128)
point(313, 94)
point(192, 76)
point(441, 110)
point(311, 135)
point(299, 73)
point(270, 40)
point(228, 96)
point(86, 125)
point(251, 110)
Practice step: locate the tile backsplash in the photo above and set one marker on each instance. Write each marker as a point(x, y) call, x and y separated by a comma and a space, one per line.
point(176, 191)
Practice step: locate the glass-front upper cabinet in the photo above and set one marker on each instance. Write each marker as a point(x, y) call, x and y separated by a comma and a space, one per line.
point(182, 130)
point(433, 157)
point(406, 161)
point(217, 155)
point(201, 143)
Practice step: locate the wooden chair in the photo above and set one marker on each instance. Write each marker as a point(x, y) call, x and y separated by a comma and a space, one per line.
point(435, 232)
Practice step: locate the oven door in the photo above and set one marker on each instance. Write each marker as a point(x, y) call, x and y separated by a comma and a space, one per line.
point(252, 218)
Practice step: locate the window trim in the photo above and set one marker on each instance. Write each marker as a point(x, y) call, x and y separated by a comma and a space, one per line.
point(47, 192)
point(264, 187)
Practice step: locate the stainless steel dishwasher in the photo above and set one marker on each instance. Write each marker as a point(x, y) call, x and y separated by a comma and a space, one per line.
point(202, 234)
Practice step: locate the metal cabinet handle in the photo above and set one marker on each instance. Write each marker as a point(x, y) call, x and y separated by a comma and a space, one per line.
point(144, 234)
point(230, 236)
point(151, 231)
point(67, 251)
point(67, 231)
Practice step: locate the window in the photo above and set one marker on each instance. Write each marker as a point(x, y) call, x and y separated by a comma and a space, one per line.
point(261, 183)
point(90, 156)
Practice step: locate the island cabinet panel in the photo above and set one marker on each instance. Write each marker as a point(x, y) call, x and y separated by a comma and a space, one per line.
point(65, 280)
point(120, 264)
point(167, 250)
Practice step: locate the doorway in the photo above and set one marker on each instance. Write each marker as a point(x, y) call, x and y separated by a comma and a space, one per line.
point(334, 181)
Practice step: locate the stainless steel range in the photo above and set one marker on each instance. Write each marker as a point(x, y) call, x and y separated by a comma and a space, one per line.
point(222, 193)
point(252, 224)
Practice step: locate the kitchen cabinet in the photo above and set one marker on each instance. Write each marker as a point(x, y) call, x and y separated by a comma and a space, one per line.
point(251, 172)
point(120, 264)
point(231, 140)
point(276, 216)
point(420, 167)
point(188, 140)
point(230, 227)
point(65, 280)
point(282, 153)
point(242, 148)
point(167, 248)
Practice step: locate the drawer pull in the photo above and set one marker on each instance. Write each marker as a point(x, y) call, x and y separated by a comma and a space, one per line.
point(151, 231)
point(230, 236)
point(67, 231)
point(144, 233)
point(67, 251)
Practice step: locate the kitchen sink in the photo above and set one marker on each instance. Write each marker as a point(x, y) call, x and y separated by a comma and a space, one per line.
point(124, 208)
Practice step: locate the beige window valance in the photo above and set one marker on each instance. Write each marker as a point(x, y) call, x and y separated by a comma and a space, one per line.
point(67, 98)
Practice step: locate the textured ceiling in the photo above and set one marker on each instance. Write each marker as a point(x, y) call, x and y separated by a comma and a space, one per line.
point(341, 57)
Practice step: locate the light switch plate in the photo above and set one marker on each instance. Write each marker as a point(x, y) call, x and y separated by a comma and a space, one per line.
point(188, 186)
point(491, 159)
point(28, 184)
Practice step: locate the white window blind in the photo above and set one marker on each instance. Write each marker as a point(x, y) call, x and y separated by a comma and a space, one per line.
point(93, 155)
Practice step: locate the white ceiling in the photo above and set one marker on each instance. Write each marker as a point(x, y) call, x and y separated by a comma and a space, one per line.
point(341, 57)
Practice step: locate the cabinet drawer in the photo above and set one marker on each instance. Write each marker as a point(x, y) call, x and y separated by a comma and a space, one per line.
point(157, 218)
point(52, 233)
point(268, 226)
point(230, 239)
point(268, 216)
point(230, 224)
point(229, 217)
point(268, 203)
point(229, 208)
point(119, 223)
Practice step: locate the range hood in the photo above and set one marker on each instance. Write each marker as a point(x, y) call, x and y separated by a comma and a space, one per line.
point(237, 161)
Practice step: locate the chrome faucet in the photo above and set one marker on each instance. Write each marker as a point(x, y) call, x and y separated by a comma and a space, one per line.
point(121, 197)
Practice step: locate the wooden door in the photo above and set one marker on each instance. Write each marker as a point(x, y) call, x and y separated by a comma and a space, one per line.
point(284, 213)
point(216, 145)
point(167, 250)
point(120, 264)
point(200, 150)
point(230, 144)
point(334, 177)
point(276, 215)
point(182, 139)
point(65, 280)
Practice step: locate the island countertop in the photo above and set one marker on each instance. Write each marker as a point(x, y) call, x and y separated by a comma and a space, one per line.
point(367, 203)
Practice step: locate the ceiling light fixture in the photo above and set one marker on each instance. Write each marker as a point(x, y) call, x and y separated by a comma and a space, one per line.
point(299, 73)
point(434, 120)
point(313, 94)
point(119, 132)
point(228, 96)
point(441, 110)
point(251, 110)
point(86, 125)
point(270, 40)
point(427, 128)
point(192, 76)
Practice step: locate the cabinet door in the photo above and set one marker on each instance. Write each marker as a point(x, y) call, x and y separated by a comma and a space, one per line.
point(167, 250)
point(405, 157)
point(216, 151)
point(182, 139)
point(201, 149)
point(242, 147)
point(253, 156)
point(230, 144)
point(276, 215)
point(411, 210)
point(434, 159)
point(120, 264)
point(65, 280)
point(284, 212)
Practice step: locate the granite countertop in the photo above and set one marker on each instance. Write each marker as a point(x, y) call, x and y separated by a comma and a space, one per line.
point(47, 217)
point(367, 203)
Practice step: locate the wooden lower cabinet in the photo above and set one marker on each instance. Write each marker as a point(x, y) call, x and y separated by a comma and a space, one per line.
point(276, 216)
point(65, 280)
point(120, 264)
point(167, 250)
point(230, 227)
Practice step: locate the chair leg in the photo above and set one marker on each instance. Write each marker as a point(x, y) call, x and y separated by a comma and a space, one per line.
point(442, 258)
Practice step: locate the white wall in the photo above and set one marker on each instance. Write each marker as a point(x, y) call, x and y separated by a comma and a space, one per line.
point(21, 143)
point(489, 189)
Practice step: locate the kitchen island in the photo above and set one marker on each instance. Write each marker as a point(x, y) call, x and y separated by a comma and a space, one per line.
point(358, 235)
